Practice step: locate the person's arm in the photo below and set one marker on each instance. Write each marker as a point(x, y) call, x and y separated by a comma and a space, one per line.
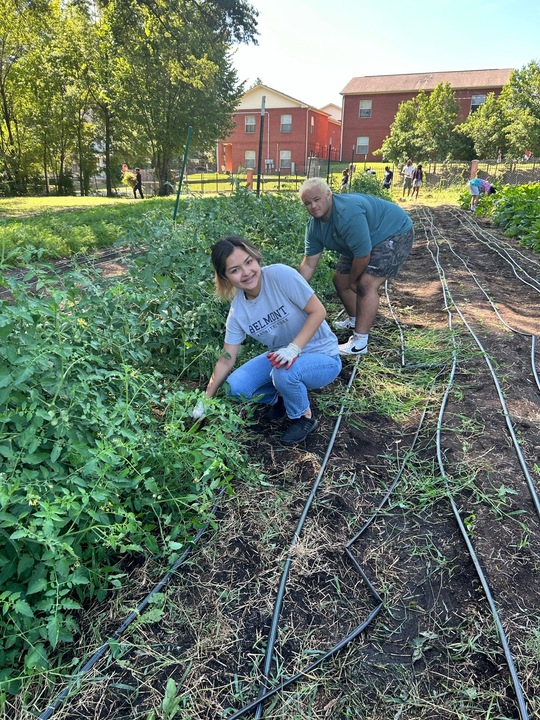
point(316, 313)
point(308, 265)
point(285, 356)
point(358, 266)
point(222, 369)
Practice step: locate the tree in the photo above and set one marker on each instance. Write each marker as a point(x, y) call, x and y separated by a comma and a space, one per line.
point(521, 101)
point(401, 143)
point(177, 72)
point(436, 120)
point(22, 26)
point(424, 127)
point(487, 128)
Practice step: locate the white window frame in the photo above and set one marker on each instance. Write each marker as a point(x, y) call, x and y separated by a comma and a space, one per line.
point(249, 159)
point(285, 159)
point(285, 125)
point(362, 145)
point(249, 124)
point(364, 108)
point(312, 125)
point(477, 101)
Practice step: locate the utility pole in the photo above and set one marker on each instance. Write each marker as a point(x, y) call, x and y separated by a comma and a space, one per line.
point(259, 159)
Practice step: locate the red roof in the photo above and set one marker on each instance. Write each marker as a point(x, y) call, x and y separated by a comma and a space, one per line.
point(414, 82)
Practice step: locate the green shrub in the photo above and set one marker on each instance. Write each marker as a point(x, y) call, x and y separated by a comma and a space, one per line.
point(516, 209)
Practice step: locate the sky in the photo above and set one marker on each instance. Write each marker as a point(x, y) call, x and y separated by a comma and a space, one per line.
point(311, 49)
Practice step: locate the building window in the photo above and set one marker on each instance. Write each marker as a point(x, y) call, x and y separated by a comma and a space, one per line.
point(286, 124)
point(250, 123)
point(364, 109)
point(284, 159)
point(312, 125)
point(476, 102)
point(362, 145)
point(249, 159)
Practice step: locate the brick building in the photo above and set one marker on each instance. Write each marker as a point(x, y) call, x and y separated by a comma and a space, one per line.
point(292, 132)
point(370, 103)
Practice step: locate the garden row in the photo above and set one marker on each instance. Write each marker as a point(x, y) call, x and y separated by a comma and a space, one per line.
point(100, 458)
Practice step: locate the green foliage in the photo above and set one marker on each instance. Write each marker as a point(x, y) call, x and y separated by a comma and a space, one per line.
point(521, 102)
point(424, 127)
point(138, 72)
point(100, 456)
point(486, 128)
point(364, 183)
point(54, 234)
point(435, 124)
point(515, 209)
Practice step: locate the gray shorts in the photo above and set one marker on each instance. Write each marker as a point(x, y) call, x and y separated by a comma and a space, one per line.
point(407, 183)
point(386, 257)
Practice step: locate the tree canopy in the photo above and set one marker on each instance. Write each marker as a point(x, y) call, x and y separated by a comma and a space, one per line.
point(123, 79)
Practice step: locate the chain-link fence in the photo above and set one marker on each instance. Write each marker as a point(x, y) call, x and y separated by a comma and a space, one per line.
point(436, 175)
point(446, 174)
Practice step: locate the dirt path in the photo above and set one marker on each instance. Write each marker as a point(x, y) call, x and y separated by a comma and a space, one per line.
point(433, 650)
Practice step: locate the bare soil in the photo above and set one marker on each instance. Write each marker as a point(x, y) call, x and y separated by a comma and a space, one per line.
point(433, 649)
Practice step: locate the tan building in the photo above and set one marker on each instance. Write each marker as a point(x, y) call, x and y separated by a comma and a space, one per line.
point(370, 103)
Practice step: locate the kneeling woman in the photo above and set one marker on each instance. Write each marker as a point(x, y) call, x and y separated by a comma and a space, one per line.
point(277, 307)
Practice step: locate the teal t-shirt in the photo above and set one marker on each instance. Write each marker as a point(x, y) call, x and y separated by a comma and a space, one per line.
point(357, 223)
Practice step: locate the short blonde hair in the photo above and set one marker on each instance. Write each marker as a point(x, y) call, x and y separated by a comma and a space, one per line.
point(315, 183)
point(220, 252)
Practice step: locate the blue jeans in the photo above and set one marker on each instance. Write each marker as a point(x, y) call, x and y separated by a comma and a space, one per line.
point(258, 380)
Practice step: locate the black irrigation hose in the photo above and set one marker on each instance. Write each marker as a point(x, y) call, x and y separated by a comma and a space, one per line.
point(404, 365)
point(264, 693)
point(495, 309)
point(284, 683)
point(517, 332)
point(492, 244)
point(134, 614)
point(269, 653)
point(533, 361)
point(509, 424)
point(502, 636)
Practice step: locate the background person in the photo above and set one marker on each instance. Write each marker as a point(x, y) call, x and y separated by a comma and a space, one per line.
point(387, 178)
point(418, 177)
point(277, 307)
point(372, 235)
point(138, 184)
point(477, 186)
point(407, 173)
point(344, 181)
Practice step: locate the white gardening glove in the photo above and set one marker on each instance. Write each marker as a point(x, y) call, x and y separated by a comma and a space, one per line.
point(199, 411)
point(284, 356)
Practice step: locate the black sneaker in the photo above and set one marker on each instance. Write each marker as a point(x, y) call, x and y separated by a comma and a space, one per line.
point(277, 411)
point(298, 430)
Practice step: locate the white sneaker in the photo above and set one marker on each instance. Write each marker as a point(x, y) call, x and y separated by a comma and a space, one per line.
point(349, 348)
point(347, 324)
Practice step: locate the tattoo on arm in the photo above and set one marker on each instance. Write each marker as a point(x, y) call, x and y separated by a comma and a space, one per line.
point(226, 355)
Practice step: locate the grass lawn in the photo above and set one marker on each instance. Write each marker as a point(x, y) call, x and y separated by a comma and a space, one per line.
point(24, 206)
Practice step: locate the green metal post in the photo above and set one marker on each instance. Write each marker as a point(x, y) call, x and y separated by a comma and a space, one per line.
point(182, 174)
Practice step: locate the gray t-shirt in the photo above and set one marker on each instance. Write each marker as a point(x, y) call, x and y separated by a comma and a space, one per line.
point(276, 315)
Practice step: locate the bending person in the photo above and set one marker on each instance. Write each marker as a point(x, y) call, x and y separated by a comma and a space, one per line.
point(477, 186)
point(372, 235)
point(277, 307)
